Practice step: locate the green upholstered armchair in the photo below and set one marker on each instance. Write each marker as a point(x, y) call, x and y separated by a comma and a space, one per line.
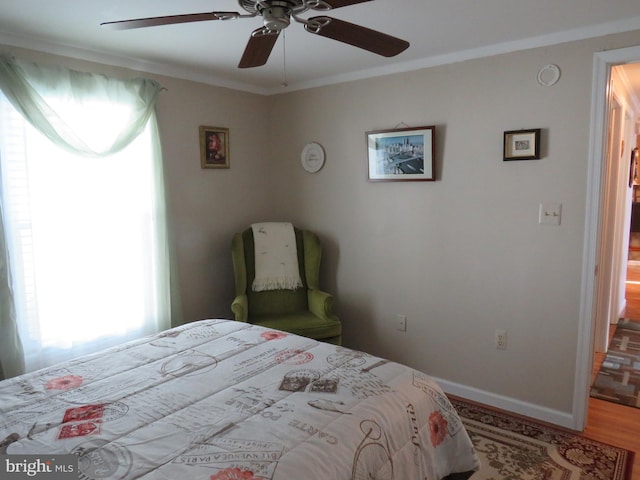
point(305, 311)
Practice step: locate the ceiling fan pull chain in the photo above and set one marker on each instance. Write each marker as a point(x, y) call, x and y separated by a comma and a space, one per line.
point(284, 61)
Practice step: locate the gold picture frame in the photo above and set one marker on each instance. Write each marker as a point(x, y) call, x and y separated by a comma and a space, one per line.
point(214, 147)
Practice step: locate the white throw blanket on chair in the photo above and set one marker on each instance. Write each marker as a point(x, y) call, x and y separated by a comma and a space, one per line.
point(276, 257)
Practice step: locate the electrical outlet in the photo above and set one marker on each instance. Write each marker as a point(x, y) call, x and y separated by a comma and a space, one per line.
point(401, 323)
point(501, 339)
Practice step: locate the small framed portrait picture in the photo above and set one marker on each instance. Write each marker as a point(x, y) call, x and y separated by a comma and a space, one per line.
point(214, 147)
point(522, 145)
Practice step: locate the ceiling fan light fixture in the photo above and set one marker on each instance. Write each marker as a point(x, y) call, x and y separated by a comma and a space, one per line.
point(276, 18)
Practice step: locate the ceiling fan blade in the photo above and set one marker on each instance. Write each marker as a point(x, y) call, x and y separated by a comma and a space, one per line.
point(259, 47)
point(169, 20)
point(343, 3)
point(356, 35)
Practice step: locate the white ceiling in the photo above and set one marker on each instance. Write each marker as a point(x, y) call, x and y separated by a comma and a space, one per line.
point(439, 32)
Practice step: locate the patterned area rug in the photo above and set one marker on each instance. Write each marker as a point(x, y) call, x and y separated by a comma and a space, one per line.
point(618, 380)
point(512, 448)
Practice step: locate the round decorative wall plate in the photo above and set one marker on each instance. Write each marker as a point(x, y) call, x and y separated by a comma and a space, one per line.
point(548, 75)
point(312, 157)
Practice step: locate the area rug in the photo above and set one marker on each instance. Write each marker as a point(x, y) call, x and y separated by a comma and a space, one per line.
point(513, 448)
point(618, 379)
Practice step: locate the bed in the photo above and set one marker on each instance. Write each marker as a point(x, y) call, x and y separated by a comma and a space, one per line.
point(224, 400)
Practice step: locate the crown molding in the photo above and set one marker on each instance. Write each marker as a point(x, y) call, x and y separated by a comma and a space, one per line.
point(175, 71)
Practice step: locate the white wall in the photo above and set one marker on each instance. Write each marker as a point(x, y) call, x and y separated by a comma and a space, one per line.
point(208, 206)
point(465, 255)
point(460, 257)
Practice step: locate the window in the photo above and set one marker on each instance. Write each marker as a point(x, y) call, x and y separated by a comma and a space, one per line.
point(85, 235)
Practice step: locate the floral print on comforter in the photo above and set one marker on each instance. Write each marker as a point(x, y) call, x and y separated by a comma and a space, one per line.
point(223, 400)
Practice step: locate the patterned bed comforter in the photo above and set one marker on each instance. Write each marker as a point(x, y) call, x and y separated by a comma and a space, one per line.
point(223, 400)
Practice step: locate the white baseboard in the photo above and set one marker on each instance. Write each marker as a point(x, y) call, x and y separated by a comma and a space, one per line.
point(544, 414)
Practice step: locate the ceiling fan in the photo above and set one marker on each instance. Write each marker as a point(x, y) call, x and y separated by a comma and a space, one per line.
point(276, 16)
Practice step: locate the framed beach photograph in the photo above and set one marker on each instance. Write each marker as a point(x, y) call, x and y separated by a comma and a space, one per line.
point(214, 147)
point(401, 154)
point(522, 145)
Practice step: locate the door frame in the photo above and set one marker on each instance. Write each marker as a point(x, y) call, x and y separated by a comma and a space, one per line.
point(596, 168)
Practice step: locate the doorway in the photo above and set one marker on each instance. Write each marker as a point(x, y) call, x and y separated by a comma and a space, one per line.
point(617, 205)
point(601, 290)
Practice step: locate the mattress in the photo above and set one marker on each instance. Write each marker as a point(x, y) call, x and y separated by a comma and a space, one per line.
point(224, 400)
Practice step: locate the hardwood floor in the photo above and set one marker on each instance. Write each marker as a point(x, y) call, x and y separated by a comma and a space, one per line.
point(608, 422)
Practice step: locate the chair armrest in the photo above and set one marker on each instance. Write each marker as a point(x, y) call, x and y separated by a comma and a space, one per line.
point(320, 303)
point(240, 308)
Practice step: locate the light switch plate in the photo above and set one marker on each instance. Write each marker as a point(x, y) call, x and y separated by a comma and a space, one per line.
point(550, 214)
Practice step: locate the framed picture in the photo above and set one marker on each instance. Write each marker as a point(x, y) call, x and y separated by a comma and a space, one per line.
point(522, 145)
point(214, 147)
point(402, 154)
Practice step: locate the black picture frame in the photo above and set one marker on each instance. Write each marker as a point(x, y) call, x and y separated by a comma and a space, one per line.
point(521, 145)
point(402, 154)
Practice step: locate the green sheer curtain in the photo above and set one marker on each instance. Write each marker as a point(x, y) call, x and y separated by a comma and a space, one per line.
point(11, 353)
point(38, 93)
point(24, 84)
